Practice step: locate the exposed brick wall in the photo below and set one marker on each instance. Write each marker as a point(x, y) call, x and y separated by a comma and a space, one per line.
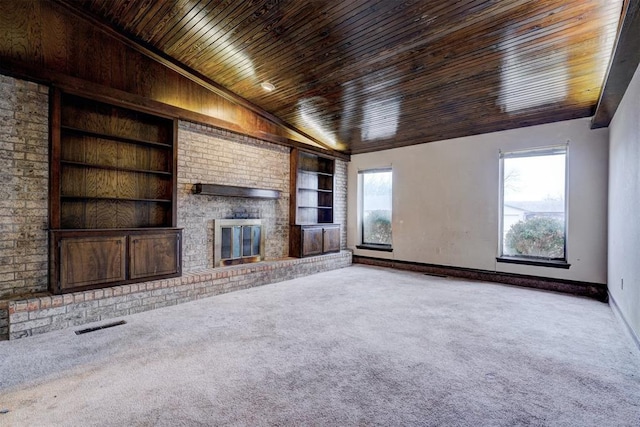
point(340, 200)
point(24, 191)
point(212, 156)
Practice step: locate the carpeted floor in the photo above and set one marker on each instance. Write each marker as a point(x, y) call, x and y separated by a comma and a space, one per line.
point(357, 346)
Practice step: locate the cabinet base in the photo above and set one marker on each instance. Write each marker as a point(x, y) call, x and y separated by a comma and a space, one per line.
point(91, 259)
point(313, 239)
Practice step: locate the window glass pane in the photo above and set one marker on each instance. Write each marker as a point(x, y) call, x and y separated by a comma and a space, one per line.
point(533, 211)
point(246, 240)
point(236, 241)
point(376, 207)
point(256, 240)
point(226, 243)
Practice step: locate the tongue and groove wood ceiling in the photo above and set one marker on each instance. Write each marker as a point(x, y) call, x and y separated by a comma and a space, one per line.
point(365, 75)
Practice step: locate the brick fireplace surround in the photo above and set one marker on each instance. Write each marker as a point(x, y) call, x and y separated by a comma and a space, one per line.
point(205, 154)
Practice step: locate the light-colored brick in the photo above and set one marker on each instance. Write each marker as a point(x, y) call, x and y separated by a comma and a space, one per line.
point(48, 312)
point(217, 156)
point(22, 316)
point(24, 143)
point(31, 324)
point(111, 301)
point(128, 304)
point(153, 300)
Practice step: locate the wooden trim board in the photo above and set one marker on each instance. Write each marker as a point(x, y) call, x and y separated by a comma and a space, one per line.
point(592, 290)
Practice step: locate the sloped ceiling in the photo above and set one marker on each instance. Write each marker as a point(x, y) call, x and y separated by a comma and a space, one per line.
point(366, 75)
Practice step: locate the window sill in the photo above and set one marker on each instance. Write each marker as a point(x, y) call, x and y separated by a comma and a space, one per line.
point(535, 262)
point(374, 247)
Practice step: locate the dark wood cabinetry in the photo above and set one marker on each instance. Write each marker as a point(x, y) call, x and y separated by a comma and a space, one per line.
point(331, 238)
point(90, 260)
point(308, 240)
point(84, 259)
point(312, 183)
point(111, 168)
point(153, 254)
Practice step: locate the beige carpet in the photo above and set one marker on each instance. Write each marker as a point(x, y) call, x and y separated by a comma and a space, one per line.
point(357, 346)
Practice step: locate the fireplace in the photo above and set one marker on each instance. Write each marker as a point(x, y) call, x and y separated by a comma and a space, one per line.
point(237, 241)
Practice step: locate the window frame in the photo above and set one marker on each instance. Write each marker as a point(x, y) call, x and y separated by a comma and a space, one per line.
point(530, 259)
point(371, 246)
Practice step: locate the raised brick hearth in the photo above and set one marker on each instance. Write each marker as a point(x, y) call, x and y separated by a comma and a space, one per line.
point(35, 315)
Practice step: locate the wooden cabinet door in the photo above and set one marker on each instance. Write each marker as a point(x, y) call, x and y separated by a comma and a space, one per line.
point(154, 255)
point(331, 239)
point(311, 241)
point(86, 261)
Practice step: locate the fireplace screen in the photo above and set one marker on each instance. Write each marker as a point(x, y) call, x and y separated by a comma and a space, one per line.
point(237, 241)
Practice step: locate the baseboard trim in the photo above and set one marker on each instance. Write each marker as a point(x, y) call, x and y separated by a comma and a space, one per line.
point(597, 291)
point(618, 313)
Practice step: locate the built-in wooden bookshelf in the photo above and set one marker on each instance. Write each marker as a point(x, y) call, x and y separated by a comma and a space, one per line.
point(116, 167)
point(112, 168)
point(314, 189)
point(312, 183)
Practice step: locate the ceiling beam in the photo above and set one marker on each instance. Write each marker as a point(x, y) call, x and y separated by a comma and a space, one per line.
point(196, 77)
point(622, 67)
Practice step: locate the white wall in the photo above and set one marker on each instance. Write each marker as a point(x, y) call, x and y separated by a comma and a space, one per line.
point(624, 205)
point(445, 199)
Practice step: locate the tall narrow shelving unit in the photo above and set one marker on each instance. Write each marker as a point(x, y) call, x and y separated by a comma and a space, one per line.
point(314, 189)
point(112, 196)
point(312, 184)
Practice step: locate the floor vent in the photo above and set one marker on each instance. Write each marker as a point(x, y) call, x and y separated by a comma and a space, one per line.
point(97, 328)
point(436, 275)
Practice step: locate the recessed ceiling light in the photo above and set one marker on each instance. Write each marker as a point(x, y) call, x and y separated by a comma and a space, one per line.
point(267, 86)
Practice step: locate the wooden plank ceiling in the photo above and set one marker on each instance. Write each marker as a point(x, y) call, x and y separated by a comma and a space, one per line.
point(366, 75)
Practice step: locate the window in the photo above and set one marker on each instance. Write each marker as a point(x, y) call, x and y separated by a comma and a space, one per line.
point(533, 206)
point(375, 208)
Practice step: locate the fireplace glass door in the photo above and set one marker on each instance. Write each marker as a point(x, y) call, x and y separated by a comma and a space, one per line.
point(238, 243)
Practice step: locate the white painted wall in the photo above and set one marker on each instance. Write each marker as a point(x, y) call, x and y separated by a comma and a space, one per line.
point(624, 205)
point(445, 201)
